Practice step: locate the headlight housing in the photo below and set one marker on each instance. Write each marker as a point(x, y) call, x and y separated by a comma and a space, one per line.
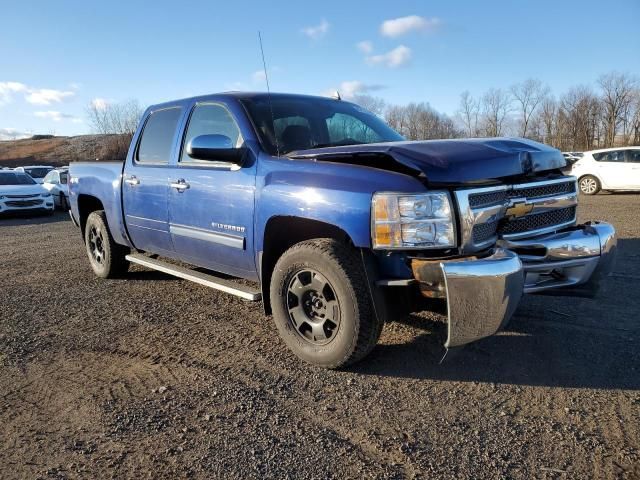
point(412, 221)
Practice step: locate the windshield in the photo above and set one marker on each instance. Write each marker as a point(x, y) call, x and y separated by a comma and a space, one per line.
point(301, 123)
point(14, 178)
point(38, 172)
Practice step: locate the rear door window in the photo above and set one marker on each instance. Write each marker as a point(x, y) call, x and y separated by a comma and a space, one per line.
point(616, 156)
point(633, 156)
point(157, 137)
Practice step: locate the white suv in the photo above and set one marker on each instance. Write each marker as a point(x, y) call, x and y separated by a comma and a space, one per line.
point(19, 193)
point(607, 169)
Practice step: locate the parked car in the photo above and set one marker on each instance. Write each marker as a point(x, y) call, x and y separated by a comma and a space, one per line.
point(21, 193)
point(337, 219)
point(607, 169)
point(37, 172)
point(56, 182)
point(572, 157)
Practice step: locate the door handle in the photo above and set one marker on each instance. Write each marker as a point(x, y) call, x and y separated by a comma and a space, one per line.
point(180, 185)
point(132, 180)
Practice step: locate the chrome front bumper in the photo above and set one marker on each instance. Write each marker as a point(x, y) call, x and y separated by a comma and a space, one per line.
point(483, 293)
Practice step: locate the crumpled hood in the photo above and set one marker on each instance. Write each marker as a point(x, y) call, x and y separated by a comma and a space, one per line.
point(456, 160)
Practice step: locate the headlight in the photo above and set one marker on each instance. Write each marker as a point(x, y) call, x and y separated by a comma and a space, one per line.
point(1, 197)
point(412, 221)
point(45, 195)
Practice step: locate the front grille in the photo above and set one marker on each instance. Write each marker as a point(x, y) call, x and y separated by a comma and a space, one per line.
point(484, 231)
point(543, 190)
point(22, 196)
point(538, 221)
point(551, 204)
point(478, 200)
point(23, 203)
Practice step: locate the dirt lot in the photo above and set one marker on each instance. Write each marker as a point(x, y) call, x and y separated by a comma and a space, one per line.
point(151, 376)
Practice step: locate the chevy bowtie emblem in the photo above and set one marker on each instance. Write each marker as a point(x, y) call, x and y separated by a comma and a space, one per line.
point(518, 209)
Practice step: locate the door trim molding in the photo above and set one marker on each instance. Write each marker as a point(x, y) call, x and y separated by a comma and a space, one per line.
point(233, 241)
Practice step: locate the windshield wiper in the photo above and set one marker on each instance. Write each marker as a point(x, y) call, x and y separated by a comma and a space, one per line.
point(342, 143)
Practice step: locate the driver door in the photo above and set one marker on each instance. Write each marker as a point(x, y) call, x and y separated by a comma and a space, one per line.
point(211, 203)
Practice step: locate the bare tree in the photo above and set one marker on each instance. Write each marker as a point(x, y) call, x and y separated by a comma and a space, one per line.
point(579, 119)
point(635, 121)
point(617, 96)
point(395, 116)
point(496, 105)
point(548, 120)
point(374, 104)
point(419, 121)
point(469, 111)
point(528, 95)
point(119, 120)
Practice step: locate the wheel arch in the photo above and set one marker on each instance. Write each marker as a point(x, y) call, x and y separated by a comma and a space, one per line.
point(594, 175)
point(86, 205)
point(281, 233)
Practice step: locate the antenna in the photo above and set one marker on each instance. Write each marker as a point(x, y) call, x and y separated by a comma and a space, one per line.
point(266, 77)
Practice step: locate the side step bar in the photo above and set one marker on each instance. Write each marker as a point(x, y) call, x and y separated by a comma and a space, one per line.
point(207, 280)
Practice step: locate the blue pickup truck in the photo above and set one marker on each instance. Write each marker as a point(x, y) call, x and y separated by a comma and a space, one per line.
point(319, 209)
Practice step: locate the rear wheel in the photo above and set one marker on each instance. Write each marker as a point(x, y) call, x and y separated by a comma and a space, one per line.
point(321, 304)
point(589, 185)
point(107, 258)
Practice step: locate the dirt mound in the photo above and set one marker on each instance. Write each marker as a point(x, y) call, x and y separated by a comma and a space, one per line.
point(60, 150)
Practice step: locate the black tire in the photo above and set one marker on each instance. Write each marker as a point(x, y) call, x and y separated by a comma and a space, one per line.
point(351, 327)
point(589, 185)
point(64, 204)
point(105, 256)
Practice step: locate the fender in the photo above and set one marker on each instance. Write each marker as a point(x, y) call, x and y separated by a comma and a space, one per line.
point(332, 193)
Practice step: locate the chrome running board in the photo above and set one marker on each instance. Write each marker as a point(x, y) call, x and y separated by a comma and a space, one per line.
point(205, 279)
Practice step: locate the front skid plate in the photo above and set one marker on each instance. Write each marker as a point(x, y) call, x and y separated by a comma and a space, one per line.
point(481, 295)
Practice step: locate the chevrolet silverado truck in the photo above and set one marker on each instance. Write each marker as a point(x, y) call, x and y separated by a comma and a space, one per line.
point(319, 209)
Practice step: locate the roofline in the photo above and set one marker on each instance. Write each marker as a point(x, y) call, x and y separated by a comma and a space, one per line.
point(238, 95)
point(610, 149)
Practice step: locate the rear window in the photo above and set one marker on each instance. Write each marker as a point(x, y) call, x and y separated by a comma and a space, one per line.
point(157, 136)
point(38, 172)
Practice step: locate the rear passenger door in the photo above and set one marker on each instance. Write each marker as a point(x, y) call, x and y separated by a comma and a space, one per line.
point(211, 203)
point(145, 184)
point(633, 161)
point(612, 169)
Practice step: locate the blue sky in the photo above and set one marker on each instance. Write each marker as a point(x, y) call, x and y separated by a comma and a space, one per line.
point(56, 57)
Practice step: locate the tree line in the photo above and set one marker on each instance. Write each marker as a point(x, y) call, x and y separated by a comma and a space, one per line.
point(582, 118)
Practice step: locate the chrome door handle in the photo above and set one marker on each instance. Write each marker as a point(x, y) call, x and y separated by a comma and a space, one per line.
point(132, 180)
point(180, 185)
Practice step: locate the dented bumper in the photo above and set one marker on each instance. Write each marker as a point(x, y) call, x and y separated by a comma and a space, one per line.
point(483, 293)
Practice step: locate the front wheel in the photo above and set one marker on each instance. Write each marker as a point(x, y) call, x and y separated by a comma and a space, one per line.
point(589, 185)
point(64, 204)
point(321, 303)
point(107, 258)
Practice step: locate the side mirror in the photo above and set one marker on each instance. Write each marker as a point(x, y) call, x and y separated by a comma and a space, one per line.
point(214, 147)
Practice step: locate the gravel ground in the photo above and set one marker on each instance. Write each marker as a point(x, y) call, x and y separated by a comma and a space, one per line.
point(150, 376)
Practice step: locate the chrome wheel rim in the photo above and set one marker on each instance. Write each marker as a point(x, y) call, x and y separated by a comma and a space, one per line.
point(313, 308)
point(96, 245)
point(588, 185)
